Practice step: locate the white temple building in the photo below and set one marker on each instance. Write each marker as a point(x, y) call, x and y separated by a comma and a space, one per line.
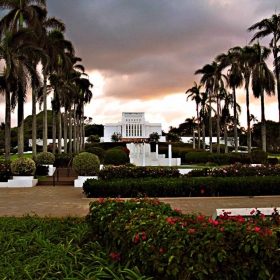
point(133, 128)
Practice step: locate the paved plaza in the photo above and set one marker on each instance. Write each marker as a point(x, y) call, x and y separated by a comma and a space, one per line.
point(67, 200)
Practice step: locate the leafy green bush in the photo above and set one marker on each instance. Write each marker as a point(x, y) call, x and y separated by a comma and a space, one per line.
point(124, 171)
point(258, 156)
point(197, 157)
point(45, 158)
point(170, 245)
point(98, 152)
point(184, 186)
point(116, 157)
point(5, 171)
point(86, 164)
point(239, 157)
point(62, 160)
point(23, 167)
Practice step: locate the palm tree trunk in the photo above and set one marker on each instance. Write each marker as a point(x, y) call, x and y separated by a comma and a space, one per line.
point(75, 131)
point(277, 75)
point(235, 120)
point(83, 129)
point(45, 116)
point(70, 132)
point(248, 119)
point(7, 125)
point(203, 136)
point(218, 127)
point(210, 125)
point(59, 131)
point(20, 127)
point(34, 125)
point(263, 123)
point(225, 136)
point(193, 138)
point(54, 131)
point(65, 128)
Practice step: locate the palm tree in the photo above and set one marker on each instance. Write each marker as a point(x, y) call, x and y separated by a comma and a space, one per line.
point(228, 102)
point(20, 13)
point(195, 95)
point(245, 56)
point(212, 79)
point(235, 80)
point(203, 114)
point(270, 27)
point(17, 51)
point(262, 81)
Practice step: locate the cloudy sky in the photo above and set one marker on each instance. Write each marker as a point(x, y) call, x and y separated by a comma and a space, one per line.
point(141, 55)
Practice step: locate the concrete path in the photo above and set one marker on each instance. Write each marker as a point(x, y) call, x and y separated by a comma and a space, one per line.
point(67, 200)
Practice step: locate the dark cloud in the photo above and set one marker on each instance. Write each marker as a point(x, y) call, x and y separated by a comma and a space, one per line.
point(150, 49)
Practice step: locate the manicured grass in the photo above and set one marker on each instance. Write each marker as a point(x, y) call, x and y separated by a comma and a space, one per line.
point(15, 156)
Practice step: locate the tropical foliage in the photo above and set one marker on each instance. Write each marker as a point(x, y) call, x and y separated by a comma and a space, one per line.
point(37, 57)
point(239, 66)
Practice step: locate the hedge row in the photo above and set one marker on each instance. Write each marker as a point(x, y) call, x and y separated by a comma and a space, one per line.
point(166, 244)
point(182, 187)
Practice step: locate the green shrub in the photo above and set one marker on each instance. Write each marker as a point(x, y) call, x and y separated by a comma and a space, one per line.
point(98, 152)
point(62, 160)
point(239, 158)
point(197, 157)
point(273, 161)
point(170, 245)
point(5, 171)
point(258, 156)
point(45, 158)
point(86, 164)
point(125, 171)
point(115, 157)
point(184, 186)
point(23, 167)
point(219, 159)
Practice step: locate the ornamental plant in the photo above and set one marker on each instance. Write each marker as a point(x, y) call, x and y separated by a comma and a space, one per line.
point(45, 158)
point(116, 157)
point(5, 171)
point(171, 245)
point(23, 167)
point(86, 164)
point(123, 171)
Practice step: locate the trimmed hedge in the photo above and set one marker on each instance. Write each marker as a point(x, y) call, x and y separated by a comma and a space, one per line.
point(181, 187)
point(116, 157)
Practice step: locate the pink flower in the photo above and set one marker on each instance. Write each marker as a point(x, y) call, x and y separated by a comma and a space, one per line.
point(192, 230)
point(257, 229)
point(221, 229)
point(202, 191)
point(224, 171)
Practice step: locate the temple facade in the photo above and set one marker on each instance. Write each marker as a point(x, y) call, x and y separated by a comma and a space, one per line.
point(133, 128)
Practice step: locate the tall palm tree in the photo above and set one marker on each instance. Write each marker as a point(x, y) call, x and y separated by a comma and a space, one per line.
point(203, 114)
point(17, 51)
point(22, 13)
point(270, 27)
point(212, 79)
point(228, 102)
point(195, 95)
point(235, 80)
point(262, 81)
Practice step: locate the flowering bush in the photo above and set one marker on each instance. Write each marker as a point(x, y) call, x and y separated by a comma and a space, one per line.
point(123, 171)
point(23, 167)
point(86, 164)
point(45, 158)
point(245, 170)
point(5, 171)
point(167, 244)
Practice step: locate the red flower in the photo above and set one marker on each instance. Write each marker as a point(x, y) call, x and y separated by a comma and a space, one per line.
point(192, 230)
point(257, 229)
point(252, 212)
point(202, 191)
point(161, 250)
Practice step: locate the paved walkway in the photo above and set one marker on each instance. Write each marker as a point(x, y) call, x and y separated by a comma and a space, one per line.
point(66, 200)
